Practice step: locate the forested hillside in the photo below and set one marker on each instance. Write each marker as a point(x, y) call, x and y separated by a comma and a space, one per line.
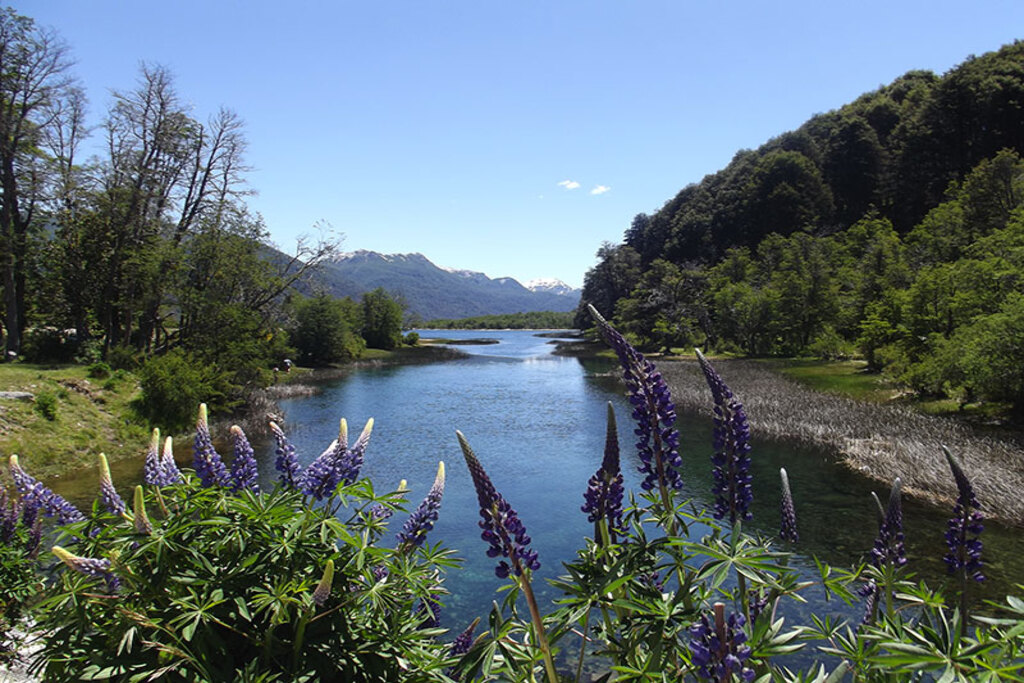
point(890, 228)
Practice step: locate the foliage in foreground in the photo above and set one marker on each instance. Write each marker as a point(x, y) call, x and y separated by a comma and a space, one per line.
point(206, 577)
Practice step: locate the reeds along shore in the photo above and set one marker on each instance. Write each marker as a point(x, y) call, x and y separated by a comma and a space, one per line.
point(882, 441)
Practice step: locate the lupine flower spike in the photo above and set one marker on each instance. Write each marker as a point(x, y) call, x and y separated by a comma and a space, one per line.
point(320, 478)
point(603, 498)
point(169, 472)
point(507, 538)
point(244, 472)
point(732, 444)
point(788, 530)
point(108, 494)
point(718, 650)
point(323, 589)
point(96, 568)
point(207, 462)
point(287, 463)
point(888, 549)
point(964, 529)
point(140, 518)
point(349, 464)
point(415, 529)
point(653, 410)
point(34, 493)
point(152, 470)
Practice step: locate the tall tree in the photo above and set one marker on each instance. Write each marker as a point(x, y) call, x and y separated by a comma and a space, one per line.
point(34, 79)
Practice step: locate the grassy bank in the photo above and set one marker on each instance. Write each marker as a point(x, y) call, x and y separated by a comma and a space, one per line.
point(71, 418)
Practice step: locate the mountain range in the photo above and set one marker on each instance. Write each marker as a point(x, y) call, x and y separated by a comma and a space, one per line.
point(430, 291)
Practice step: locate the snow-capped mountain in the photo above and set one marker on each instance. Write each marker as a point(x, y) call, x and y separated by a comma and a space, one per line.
point(434, 292)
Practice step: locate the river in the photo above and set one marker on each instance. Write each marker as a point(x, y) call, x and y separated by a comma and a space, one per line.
point(536, 422)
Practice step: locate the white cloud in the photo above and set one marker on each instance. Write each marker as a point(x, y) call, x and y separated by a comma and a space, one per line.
point(600, 189)
point(569, 184)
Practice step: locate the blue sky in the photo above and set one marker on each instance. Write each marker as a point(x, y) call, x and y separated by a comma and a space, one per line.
point(510, 138)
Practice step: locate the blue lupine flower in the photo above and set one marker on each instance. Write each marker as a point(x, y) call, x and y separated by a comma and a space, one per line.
point(429, 610)
point(718, 650)
point(287, 463)
point(464, 640)
point(888, 548)
point(108, 494)
point(653, 411)
point(964, 529)
point(415, 529)
point(351, 461)
point(96, 568)
point(321, 478)
point(731, 470)
point(603, 497)
point(244, 473)
point(207, 462)
point(788, 530)
point(152, 471)
point(34, 493)
point(502, 529)
point(169, 472)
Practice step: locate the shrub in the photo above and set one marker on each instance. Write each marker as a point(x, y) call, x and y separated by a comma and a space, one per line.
point(174, 384)
point(98, 370)
point(46, 405)
point(122, 358)
point(411, 338)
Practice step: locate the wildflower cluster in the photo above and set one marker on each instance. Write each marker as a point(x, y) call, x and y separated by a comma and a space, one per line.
point(603, 497)
point(964, 529)
point(415, 529)
point(718, 649)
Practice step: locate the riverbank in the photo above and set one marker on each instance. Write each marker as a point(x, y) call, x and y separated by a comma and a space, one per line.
point(883, 441)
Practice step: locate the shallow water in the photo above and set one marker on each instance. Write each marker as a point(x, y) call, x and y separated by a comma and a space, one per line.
point(536, 422)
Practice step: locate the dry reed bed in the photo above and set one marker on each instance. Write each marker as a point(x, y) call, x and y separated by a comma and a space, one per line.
point(882, 441)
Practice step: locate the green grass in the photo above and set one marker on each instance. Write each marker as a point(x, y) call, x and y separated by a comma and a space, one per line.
point(845, 378)
point(91, 416)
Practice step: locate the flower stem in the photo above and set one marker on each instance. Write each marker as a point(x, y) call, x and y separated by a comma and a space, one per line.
point(538, 627)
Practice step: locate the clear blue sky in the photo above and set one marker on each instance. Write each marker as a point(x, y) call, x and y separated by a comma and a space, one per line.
point(507, 137)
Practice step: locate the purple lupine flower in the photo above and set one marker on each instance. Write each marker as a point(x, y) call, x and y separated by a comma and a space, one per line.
point(244, 472)
point(96, 568)
point(888, 548)
point(207, 462)
point(603, 497)
point(429, 610)
point(351, 461)
point(35, 532)
point(421, 521)
point(152, 471)
point(731, 461)
point(380, 512)
point(718, 650)
point(34, 493)
point(653, 411)
point(323, 588)
point(169, 472)
point(380, 572)
point(964, 529)
point(108, 494)
point(788, 530)
point(287, 463)
point(500, 524)
point(757, 603)
point(321, 478)
point(464, 640)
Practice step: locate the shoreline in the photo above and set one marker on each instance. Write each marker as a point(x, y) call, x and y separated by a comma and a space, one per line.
point(878, 440)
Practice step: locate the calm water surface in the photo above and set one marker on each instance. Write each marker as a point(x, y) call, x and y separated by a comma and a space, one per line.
point(536, 422)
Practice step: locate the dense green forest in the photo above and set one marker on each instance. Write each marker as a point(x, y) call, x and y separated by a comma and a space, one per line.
point(891, 229)
point(538, 320)
point(145, 255)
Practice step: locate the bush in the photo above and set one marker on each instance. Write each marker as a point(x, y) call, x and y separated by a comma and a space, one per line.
point(174, 384)
point(46, 405)
point(411, 339)
point(98, 370)
point(48, 345)
point(122, 358)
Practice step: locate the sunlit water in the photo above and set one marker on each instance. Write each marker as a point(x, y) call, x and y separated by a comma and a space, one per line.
point(536, 422)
